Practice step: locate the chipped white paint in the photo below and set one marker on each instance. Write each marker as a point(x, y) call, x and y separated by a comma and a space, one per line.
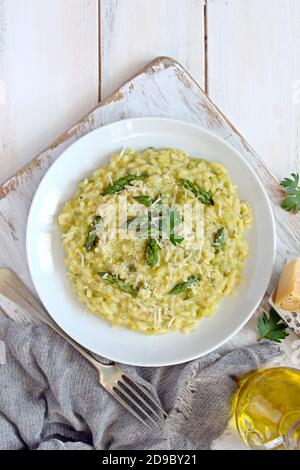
point(163, 89)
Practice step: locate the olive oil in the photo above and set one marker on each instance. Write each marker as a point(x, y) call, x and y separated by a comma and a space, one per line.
point(267, 409)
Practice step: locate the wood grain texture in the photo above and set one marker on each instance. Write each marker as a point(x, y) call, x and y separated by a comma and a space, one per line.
point(253, 65)
point(49, 65)
point(133, 32)
point(164, 88)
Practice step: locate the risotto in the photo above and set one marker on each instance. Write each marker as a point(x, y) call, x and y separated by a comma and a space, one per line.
point(155, 239)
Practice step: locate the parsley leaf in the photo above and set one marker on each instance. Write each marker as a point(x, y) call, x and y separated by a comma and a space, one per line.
point(291, 202)
point(271, 327)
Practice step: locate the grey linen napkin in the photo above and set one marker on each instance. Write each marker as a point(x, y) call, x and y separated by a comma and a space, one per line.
point(50, 397)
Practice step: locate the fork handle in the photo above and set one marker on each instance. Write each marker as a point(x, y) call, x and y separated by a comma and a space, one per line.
point(12, 288)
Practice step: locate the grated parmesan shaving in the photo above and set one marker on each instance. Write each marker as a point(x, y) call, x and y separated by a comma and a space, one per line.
point(109, 177)
point(159, 244)
point(69, 234)
point(159, 315)
point(81, 258)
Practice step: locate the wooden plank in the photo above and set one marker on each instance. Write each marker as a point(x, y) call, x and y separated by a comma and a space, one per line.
point(253, 67)
point(133, 32)
point(49, 67)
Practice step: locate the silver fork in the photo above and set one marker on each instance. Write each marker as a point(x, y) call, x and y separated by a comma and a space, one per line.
point(135, 398)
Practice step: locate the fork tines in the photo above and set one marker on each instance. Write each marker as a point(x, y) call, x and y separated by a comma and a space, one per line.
point(139, 401)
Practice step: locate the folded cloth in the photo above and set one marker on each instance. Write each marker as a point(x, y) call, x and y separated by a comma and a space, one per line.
point(50, 397)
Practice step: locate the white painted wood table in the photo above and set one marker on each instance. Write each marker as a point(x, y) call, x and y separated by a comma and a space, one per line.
point(58, 58)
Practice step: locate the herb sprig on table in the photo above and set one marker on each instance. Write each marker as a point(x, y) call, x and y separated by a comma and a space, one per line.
point(271, 327)
point(291, 201)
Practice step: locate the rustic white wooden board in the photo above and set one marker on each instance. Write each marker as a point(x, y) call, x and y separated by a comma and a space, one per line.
point(254, 74)
point(49, 69)
point(164, 88)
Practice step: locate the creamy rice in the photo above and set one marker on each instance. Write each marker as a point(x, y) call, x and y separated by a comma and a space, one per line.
point(216, 265)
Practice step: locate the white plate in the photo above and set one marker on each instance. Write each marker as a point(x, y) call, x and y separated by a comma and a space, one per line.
point(45, 253)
